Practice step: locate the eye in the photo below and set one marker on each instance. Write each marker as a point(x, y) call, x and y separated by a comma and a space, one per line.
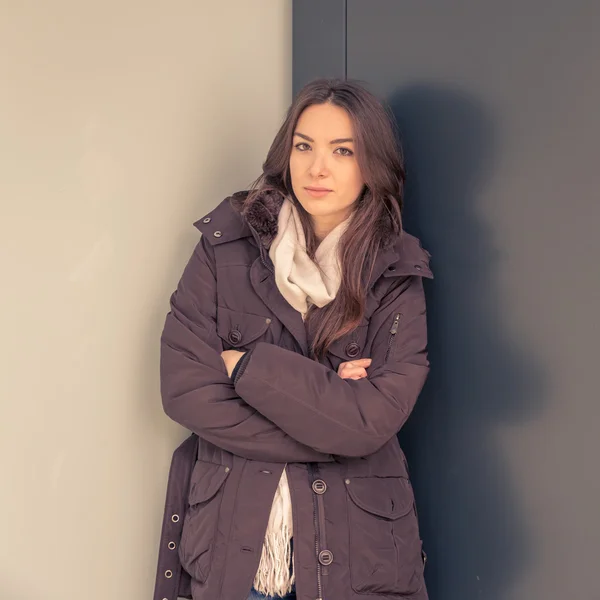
point(302, 146)
point(345, 151)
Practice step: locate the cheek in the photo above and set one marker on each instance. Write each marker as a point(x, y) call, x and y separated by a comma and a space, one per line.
point(356, 176)
point(352, 181)
point(296, 168)
point(299, 161)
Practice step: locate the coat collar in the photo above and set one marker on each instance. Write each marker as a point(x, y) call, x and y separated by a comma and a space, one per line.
point(235, 219)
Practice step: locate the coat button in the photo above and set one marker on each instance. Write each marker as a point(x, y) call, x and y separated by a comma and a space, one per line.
point(352, 349)
point(319, 486)
point(217, 234)
point(175, 518)
point(235, 337)
point(325, 557)
point(206, 220)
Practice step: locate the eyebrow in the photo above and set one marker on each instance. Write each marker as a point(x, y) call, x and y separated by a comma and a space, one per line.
point(336, 141)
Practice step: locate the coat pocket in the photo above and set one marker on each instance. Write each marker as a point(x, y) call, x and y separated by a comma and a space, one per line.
point(384, 543)
point(200, 522)
point(239, 330)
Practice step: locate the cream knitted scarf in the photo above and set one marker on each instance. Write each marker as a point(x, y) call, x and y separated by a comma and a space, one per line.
point(301, 282)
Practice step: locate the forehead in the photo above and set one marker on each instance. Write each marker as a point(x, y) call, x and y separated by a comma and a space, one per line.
point(325, 122)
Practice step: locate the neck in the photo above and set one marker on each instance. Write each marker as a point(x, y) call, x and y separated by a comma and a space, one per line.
point(323, 226)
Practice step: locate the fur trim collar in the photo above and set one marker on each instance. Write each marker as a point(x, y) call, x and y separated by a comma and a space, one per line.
point(263, 209)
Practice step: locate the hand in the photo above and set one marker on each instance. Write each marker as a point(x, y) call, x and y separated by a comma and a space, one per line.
point(354, 369)
point(231, 358)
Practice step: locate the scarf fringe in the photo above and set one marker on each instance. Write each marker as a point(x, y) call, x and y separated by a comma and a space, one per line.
point(274, 576)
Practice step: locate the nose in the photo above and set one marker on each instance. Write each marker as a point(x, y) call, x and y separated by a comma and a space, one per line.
point(318, 167)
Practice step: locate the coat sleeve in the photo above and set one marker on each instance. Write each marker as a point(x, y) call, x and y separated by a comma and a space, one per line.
point(196, 389)
point(346, 417)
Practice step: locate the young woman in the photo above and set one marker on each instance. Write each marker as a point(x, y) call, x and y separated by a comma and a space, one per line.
point(295, 350)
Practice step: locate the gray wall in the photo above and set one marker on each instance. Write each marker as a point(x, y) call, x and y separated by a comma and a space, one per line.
point(498, 109)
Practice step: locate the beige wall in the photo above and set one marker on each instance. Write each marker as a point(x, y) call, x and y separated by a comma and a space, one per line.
point(121, 122)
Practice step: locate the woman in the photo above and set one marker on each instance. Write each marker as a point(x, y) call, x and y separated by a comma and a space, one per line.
point(295, 350)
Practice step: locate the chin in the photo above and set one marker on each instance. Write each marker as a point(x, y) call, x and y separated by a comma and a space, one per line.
point(316, 206)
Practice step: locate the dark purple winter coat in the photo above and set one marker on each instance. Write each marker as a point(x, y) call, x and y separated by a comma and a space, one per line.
point(356, 533)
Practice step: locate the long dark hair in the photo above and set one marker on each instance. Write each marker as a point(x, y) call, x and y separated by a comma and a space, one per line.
point(377, 214)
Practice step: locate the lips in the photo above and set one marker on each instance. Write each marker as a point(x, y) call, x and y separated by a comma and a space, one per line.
point(317, 192)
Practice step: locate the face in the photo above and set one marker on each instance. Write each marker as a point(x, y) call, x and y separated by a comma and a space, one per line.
point(325, 175)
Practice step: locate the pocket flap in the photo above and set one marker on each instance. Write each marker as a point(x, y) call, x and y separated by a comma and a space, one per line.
point(386, 497)
point(239, 328)
point(207, 479)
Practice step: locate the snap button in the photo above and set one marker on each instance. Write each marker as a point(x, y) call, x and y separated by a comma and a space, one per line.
point(319, 486)
point(347, 481)
point(268, 321)
point(325, 557)
point(392, 268)
point(418, 267)
point(175, 518)
point(168, 574)
point(352, 349)
point(217, 234)
point(206, 220)
point(172, 545)
point(227, 469)
point(235, 337)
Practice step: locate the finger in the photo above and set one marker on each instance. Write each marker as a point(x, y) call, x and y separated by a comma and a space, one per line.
point(357, 377)
point(349, 368)
point(352, 365)
point(356, 373)
point(360, 362)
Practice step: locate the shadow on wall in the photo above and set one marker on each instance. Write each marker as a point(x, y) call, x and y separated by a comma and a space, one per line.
point(480, 379)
